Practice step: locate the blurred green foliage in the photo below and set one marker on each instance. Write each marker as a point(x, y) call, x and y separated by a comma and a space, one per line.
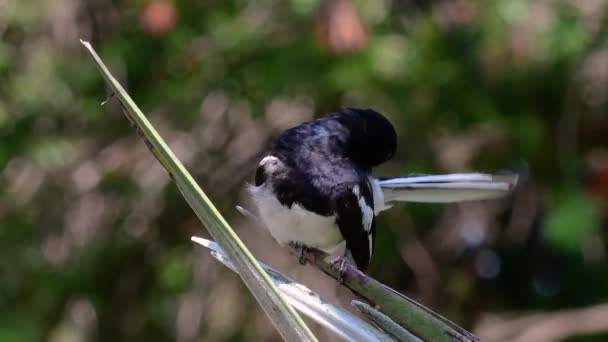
point(574, 216)
point(94, 239)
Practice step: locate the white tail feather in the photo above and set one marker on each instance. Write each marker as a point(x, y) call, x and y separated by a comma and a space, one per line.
point(445, 188)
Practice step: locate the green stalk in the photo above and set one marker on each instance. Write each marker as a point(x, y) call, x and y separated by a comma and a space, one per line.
point(386, 323)
point(286, 320)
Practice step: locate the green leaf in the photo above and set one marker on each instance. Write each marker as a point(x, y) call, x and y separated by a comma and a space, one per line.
point(286, 320)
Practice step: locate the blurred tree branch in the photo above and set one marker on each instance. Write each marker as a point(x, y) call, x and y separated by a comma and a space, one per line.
point(543, 327)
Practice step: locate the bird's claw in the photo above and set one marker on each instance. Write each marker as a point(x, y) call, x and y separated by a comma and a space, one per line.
point(302, 257)
point(342, 269)
point(301, 252)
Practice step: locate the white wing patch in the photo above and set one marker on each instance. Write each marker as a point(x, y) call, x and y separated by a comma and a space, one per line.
point(367, 215)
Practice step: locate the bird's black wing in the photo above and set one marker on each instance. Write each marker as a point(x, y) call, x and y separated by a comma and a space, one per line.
point(355, 218)
point(291, 186)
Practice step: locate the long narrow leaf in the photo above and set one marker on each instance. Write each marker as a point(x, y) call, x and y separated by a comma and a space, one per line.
point(385, 322)
point(287, 321)
point(424, 323)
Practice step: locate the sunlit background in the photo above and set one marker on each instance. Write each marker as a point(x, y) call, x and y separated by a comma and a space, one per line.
point(94, 238)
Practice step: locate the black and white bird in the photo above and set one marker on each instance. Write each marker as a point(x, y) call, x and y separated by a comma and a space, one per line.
point(314, 188)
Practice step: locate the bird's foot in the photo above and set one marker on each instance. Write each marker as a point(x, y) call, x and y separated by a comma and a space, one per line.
point(343, 259)
point(302, 249)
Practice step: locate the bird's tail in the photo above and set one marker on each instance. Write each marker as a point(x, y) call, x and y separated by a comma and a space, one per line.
point(456, 187)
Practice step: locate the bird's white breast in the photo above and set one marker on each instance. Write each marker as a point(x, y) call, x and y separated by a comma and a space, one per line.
point(296, 224)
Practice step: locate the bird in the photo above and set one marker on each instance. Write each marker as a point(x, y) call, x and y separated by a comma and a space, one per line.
point(314, 187)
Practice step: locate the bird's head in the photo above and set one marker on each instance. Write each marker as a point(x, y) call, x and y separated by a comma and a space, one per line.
point(373, 139)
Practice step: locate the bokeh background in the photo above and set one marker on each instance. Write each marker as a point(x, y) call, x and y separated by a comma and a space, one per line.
point(94, 238)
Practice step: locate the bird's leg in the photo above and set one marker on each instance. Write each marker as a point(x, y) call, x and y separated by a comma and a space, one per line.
point(342, 259)
point(301, 251)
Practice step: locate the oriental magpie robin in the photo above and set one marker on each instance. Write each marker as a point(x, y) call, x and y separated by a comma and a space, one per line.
point(314, 188)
